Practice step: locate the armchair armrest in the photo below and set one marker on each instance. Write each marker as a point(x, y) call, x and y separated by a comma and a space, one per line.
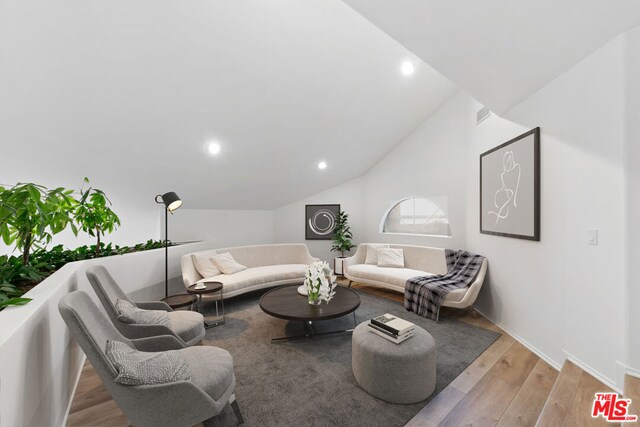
point(154, 305)
point(158, 343)
point(135, 331)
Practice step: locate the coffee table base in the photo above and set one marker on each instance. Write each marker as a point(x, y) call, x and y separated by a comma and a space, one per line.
point(311, 332)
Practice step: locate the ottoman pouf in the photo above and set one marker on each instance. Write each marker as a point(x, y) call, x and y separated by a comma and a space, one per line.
point(397, 373)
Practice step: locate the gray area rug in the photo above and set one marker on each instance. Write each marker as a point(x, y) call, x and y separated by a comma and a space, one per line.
point(308, 382)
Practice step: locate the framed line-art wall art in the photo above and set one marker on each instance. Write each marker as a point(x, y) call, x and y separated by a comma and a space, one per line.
point(510, 188)
point(320, 221)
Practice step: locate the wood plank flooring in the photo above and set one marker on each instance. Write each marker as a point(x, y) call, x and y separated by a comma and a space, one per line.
point(571, 399)
point(506, 386)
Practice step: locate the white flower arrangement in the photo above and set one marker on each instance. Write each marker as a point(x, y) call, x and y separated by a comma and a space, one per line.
point(318, 282)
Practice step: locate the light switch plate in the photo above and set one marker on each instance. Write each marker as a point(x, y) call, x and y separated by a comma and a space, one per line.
point(592, 236)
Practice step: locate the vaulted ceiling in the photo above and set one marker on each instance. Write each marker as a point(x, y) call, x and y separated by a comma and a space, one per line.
point(128, 93)
point(501, 51)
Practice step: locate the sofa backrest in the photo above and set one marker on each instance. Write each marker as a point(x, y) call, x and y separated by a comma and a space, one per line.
point(253, 256)
point(424, 258)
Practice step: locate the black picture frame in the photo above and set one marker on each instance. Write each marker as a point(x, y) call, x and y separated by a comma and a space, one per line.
point(533, 187)
point(319, 221)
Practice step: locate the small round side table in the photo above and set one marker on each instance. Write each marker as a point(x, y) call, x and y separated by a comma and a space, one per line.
point(179, 301)
point(210, 288)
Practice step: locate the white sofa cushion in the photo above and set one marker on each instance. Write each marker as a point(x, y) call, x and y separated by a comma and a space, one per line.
point(388, 257)
point(227, 264)
point(396, 277)
point(254, 277)
point(203, 261)
point(372, 253)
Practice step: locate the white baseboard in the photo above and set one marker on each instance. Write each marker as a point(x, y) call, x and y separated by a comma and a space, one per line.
point(557, 366)
point(585, 367)
point(623, 370)
point(612, 384)
point(83, 358)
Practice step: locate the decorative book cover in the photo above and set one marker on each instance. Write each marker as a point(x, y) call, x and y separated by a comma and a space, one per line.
point(393, 324)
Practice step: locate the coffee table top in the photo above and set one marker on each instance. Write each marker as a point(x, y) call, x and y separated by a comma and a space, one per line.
point(286, 303)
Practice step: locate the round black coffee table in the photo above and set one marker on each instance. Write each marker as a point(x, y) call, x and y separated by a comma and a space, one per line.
point(286, 303)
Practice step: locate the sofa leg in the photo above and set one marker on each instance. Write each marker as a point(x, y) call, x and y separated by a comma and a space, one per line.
point(438, 314)
point(350, 282)
point(236, 408)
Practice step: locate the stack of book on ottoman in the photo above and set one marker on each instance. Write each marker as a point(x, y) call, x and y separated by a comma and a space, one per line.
point(392, 328)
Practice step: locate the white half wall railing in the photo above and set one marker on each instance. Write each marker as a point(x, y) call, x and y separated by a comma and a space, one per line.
point(40, 363)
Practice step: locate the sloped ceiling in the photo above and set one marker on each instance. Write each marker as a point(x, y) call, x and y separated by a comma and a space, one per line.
point(128, 92)
point(501, 51)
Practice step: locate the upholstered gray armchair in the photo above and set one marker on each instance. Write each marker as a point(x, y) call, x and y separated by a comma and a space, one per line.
point(180, 403)
point(186, 326)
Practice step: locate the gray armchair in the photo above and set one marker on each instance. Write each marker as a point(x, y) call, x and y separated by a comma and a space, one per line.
point(181, 403)
point(186, 326)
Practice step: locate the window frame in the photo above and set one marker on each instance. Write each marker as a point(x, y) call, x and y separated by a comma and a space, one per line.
point(396, 203)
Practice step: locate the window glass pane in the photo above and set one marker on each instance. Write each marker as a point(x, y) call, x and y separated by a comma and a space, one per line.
point(418, 216)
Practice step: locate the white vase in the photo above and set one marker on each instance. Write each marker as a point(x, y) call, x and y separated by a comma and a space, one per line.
point(337, 265)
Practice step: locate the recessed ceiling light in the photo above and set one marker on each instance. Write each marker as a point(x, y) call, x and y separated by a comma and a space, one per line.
point(408, 68)
point(213, 148)
point(322, 165)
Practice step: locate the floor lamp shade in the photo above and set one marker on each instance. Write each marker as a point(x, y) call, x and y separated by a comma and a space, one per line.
point(171, 202)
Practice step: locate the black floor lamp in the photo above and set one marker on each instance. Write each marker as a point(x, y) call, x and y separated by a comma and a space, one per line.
point(171, 201)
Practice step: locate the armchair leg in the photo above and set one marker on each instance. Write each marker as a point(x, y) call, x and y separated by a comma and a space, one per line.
point(350, 282)
point(236, 408)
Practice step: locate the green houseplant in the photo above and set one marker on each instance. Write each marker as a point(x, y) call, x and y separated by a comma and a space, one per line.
point(30, 215)
point(94, 215)
point(342, 236)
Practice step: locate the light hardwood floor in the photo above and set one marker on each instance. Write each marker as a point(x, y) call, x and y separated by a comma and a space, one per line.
point(506, 386)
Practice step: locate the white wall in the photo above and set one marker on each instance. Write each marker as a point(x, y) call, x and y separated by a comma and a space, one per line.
point(421, 165)
point(632, 158)
point(430, 162)
point(560, 294)
point(39, 361)
point(289, 226)
point(223, 228)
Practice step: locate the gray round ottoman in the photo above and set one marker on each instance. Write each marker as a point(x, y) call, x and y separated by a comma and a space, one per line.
point(397, 373)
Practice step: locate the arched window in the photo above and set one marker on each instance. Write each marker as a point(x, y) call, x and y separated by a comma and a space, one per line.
point(415, 215)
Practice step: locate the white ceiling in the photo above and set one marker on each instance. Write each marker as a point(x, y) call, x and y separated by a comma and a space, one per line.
point(501, 51)
point(128, 92)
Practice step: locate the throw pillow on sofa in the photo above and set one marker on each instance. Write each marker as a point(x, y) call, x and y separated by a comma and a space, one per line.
point(204, 264)
point(227, 264)
point(143, 368)
point(130, 313)
point(372, 253)
point(388, 257)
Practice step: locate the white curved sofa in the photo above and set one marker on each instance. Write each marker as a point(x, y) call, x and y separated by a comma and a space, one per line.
point(267, 266)
point(418, 261)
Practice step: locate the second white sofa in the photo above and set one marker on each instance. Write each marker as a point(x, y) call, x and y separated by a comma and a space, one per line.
point(418, 261)
point(267, 266)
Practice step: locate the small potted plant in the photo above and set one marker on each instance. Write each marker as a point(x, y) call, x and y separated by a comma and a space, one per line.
point(341, 240)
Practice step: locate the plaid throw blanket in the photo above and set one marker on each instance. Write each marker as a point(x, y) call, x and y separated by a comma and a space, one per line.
point(424, 295)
